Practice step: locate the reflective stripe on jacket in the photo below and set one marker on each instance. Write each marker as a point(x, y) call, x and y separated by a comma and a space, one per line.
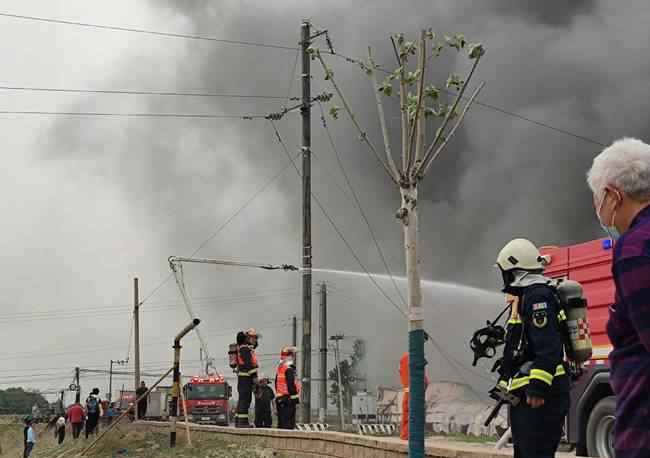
point(246, 361)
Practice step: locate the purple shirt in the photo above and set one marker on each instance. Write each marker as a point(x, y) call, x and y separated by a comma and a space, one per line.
point(629, 331)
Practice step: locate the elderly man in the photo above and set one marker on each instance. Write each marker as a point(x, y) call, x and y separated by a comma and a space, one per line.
point(620, 181)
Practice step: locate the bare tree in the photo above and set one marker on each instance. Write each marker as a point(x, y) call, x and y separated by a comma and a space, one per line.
point(420, 104)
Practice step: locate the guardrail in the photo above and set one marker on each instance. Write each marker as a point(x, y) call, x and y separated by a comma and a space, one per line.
point(376, 430)
point(309, 427)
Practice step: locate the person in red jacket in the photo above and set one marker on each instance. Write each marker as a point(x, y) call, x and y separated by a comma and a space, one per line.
point(404, 377)
point(76, 417)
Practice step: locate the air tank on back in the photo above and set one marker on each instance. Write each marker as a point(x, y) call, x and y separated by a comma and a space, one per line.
point(575, 305)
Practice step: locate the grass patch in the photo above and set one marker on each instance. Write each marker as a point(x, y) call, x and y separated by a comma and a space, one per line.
point(127, 441)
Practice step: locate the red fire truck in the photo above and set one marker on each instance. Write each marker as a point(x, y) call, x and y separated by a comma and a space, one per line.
point(207, 399)
point(591, 418)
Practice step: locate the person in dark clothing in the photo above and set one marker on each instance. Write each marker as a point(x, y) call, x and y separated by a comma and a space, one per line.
point(532, 368)
point(620, 181)
point(142, 405)
point(263, 397)
point(94, 410)
point(246, 377)
point(287, 388)
point(59, 429)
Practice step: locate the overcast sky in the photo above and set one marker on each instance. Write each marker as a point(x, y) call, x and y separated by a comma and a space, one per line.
point(90, 202)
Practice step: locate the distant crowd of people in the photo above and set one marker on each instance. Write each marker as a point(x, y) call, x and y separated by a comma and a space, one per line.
point(80, 417)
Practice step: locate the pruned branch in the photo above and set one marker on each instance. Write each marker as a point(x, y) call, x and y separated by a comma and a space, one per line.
point(418, 109)
point(445, 122)
point(426, 164)
point(404, 111)
point(362, 134)
point(372, 73)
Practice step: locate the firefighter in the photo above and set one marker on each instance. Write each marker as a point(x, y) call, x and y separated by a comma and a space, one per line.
point(246, 376)
point(532, 370)
point(287, 389)
point(404, 377)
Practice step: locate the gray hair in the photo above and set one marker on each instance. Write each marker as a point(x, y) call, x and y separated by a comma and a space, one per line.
point(624, 164)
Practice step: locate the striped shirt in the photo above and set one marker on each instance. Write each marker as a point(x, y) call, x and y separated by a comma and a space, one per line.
point(629, 331)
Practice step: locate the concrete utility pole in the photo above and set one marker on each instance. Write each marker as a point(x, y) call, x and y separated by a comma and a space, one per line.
point(110, 376)
point(136, 333)
point(337, 358)
point(77, 397)
point(323, 352)
point(295, 331)
point(305, 110)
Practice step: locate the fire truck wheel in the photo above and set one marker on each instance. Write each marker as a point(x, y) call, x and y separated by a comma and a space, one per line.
point(600, 429)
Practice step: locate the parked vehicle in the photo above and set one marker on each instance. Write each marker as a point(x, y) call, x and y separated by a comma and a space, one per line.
point(206, 399)
point(591, 417)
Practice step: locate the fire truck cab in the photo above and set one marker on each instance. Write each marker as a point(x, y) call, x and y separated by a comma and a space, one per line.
point(591, 417)
point(206, 400)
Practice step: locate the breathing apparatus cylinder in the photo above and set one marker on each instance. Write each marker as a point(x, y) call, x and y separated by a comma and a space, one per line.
point(575, 307)
point(232, 355)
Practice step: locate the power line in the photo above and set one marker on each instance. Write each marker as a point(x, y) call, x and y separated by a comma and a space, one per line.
point(292, 75)
point(369, 275)
point(488, 106)
point(539, 123)
point(358, 203)
point(226, 223)
point(202, 301)
point(148, 32)
point(333, 224)
point(135, 92)
point(131, 115)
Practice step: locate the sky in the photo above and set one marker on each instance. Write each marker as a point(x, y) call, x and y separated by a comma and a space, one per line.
point(90, 202)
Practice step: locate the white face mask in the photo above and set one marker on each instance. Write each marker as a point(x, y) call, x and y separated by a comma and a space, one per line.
point(611, 231)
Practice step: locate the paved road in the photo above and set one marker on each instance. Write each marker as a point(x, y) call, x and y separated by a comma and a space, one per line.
point(486, 450)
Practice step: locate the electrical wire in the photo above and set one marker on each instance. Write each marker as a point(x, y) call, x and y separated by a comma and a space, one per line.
point(126, 92)
point(358, 204)
point(108, 310)
point(292, 76)
point(369, 275)
point(225, 224)
point(488, 106)
point(131, 115)
point(332, 223)
point(147, 32)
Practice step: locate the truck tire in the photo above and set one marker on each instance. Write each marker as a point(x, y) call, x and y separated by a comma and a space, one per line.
point(600, 429)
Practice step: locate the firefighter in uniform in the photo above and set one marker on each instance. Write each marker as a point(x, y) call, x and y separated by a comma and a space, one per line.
point(404, 378)
point(246, 377)
point(287, 389)
point(532, 368)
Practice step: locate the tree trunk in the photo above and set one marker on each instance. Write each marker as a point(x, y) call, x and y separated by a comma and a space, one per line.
point(409, 217)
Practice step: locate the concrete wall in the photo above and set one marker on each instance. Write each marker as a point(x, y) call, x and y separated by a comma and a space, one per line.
point(296, 444)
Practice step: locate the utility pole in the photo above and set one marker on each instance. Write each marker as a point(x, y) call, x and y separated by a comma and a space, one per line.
point(295, 331)
point(337, 358)
point(136, 332)
point(77, 397)
point(110, 382)
point(305, 110)
point(323, 352)
point(110, 376)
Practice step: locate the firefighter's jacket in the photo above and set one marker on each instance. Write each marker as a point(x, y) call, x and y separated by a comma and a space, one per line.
point(246, 361)
point(534, 351)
